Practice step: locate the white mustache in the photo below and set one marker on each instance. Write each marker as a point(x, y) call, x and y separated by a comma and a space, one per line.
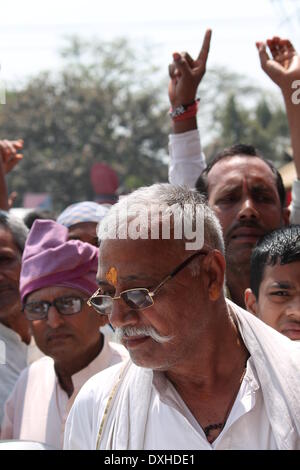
point(143, 331)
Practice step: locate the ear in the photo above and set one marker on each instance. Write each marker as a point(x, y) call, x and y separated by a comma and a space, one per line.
point(250, 302)
point(286, 216)
point(214, 267)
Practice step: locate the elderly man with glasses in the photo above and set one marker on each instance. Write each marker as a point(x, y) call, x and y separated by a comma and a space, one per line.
point(203, 373)
point(57, 277)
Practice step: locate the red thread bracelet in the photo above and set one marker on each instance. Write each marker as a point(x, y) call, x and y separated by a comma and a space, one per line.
point(184, 111)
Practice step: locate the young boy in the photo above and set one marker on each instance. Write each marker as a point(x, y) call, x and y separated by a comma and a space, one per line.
point(274, 296)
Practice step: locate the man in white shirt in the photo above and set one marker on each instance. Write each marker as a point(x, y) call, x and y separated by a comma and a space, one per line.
point(245, 191)
point(15, 336)
point(57, 277)
point(203, 374)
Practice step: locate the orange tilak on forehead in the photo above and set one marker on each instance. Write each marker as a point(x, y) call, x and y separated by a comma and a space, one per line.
point(112, 276)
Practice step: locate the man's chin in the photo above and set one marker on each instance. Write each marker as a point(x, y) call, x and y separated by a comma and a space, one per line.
point(239, 253)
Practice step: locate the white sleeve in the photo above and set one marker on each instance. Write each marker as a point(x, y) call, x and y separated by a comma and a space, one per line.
point(187, 161)
point(295, 206)
point(13, 409)
point(6, 430)
point(78, 434)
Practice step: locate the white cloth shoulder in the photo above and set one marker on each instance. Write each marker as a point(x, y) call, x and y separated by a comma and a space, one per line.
point(276, 360)
point(277, 364)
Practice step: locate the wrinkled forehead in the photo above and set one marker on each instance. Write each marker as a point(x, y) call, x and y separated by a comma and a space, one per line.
point(121, 257)
point(238, 168)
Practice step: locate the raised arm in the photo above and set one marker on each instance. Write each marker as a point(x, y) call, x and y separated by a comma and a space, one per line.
point(187, 160)
point(185, 77)
point(9, 157)
point(284, 69)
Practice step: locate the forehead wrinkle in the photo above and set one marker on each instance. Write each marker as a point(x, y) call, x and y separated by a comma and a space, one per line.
point(133, 277)
point(237, 168)
point(136, 277)
point(237, 181)
point(237, 185)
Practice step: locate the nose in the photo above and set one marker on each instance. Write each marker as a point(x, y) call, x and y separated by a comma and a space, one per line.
point(293, 308)
point(55, 319)
point(248, 209)
point(122, 316)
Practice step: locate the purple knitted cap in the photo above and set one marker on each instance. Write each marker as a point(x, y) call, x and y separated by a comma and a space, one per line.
point(49, 259)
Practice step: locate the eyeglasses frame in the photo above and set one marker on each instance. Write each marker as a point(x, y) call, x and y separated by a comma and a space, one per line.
point(50, 304)
point(151, 294)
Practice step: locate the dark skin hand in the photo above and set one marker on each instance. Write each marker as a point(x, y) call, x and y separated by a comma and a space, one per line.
point(185, 77)
point(283, 67)
point(10, 153)
point(10, 156)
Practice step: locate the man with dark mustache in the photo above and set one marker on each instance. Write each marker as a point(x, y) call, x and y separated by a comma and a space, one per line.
point(247, 194)
point(245, 190)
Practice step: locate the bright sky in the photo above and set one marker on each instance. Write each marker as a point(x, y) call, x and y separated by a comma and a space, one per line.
point(32, 31)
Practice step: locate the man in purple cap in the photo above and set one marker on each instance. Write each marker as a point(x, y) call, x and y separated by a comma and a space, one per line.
point(57, 277)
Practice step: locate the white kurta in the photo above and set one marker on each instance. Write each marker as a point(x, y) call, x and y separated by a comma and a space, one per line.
point(170, 424)
point(15, 356)
point(38, 407)
point(264, 415)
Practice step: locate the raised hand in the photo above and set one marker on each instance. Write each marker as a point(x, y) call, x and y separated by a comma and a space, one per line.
point(284, 66)
point(186, 74)
point(10, 153)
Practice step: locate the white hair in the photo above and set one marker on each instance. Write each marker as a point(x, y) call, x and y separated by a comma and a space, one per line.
point(142, 331)
point(177, 201)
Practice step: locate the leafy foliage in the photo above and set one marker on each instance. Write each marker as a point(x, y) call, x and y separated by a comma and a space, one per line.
point(98, 108)
point(238, 112)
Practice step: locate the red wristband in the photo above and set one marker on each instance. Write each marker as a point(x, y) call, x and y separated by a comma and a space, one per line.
point(184, 111)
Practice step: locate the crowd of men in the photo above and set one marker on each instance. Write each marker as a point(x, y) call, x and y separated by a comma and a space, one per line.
point(141, 341)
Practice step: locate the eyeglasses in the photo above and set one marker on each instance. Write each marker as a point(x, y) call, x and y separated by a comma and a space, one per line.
point(64, 305)
point(139, 298)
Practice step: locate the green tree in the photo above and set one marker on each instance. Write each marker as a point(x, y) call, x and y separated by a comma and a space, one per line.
point(234, 122)
point(234, 111)
point(100, 107)
point(108, 104)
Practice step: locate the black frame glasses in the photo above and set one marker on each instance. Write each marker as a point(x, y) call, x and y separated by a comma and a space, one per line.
point(138, 298)
point(39, 310)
